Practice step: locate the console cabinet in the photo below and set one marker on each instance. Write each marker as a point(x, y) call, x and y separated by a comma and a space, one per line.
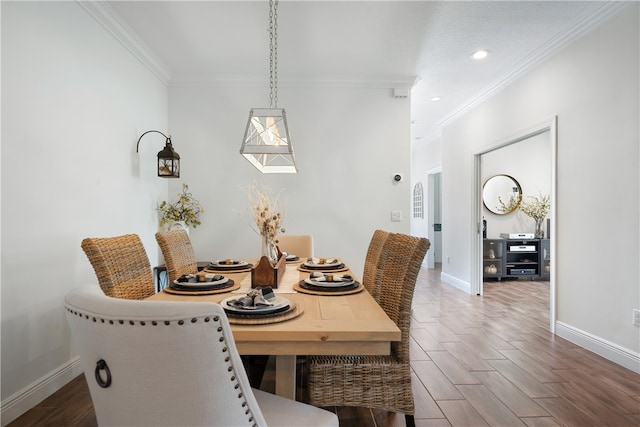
point(493, 258)
point(502, 258)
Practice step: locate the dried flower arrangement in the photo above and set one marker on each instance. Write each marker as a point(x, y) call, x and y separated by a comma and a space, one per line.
point(267, 218)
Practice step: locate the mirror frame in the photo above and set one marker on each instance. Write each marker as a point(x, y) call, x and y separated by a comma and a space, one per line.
point(486, 196)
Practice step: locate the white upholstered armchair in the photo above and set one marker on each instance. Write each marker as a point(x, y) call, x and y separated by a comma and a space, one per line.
point(153, 363)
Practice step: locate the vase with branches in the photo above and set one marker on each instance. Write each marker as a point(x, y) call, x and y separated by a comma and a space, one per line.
point(537, 207)
point(267, 219)
point(186, 210)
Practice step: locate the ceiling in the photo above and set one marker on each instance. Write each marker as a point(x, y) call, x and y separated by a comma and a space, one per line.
point(425, 45)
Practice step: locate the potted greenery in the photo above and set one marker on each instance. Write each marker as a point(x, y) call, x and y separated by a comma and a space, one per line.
point(184, 211)
point(538, 209)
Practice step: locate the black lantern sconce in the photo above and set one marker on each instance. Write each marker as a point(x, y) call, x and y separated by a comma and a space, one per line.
point(168, 159)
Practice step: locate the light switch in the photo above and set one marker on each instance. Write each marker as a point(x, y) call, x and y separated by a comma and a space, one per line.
point(396, 216)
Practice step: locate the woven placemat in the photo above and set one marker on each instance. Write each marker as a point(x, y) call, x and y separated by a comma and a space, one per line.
point(252, 319)
point(323, 270)
point(233, 286)
point(355, 290)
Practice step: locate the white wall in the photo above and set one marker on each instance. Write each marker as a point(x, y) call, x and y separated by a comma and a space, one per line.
point(74, 103)
point(592, 86)
point(348, 144)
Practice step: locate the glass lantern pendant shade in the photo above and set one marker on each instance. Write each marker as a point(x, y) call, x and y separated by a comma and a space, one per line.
point(266, 143)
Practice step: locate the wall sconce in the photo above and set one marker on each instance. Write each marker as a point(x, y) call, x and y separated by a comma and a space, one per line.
point(168, 159)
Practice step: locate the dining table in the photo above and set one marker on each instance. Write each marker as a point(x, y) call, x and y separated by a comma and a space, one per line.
point(322, 324)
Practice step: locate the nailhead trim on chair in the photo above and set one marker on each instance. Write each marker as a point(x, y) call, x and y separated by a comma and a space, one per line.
point(230, 368)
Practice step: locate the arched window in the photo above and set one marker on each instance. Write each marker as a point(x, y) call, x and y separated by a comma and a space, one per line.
point(418, 201)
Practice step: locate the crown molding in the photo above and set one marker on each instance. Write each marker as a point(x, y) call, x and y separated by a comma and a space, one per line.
point(584, 26)
point(381, 82)
point(121, 31)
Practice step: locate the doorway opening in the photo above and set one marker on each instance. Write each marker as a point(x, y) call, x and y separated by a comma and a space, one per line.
point(434, 217)
point(547, 130)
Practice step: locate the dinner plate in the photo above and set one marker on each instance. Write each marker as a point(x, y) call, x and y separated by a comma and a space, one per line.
point(315, 263)
point(279, 304)
point(232, 263)
point(197, 285)
point(326, 284)
point(291, 257)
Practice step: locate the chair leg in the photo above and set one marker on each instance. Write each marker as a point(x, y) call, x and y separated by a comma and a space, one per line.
point(409, 420)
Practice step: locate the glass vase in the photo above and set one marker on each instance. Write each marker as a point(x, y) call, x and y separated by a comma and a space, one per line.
point(539, 232)
point(270, 250)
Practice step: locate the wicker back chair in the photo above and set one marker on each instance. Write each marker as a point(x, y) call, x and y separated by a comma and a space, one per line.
point(121, 265)
point(177, 252)
point(374, 262)
point(380, 382)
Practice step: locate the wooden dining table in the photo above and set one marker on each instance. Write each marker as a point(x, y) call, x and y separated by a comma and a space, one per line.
point(328, 324)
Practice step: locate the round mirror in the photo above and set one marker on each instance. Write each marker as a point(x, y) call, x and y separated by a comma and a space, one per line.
point(501, 194)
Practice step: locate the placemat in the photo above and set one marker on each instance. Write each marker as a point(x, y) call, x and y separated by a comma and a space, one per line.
point(232, 287)
point(320, 269)
point(355, 290)
point(294, 311)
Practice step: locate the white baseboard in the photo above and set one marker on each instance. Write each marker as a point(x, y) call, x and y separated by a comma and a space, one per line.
point(608, 350)
point(36, 392)
point(456, 283)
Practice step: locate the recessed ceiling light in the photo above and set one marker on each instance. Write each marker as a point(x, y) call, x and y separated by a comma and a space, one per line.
point(436, 99)
point(480, 54)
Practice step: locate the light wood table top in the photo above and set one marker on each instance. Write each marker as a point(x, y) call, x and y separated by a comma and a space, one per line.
point(332, 324)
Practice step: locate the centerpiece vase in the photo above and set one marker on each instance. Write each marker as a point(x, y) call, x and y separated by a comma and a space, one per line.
point(539, 232)
point(270, 250)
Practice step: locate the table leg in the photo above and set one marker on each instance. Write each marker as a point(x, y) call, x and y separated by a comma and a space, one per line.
point(286, 376)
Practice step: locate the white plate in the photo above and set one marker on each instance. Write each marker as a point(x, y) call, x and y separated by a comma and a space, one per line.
point(325, 284)
point(202, 284)
point(279, 303)
point(315, 263)
point(221, 263)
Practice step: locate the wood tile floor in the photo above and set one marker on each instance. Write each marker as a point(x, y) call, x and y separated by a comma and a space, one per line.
point(477, 361)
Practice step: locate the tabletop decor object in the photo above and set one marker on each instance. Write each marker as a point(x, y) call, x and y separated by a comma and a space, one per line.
point(267, 220)
point(185, 211)
point(538, 209)
point(264, 274)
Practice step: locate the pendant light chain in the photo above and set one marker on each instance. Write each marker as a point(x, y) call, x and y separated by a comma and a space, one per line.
point(273, 53)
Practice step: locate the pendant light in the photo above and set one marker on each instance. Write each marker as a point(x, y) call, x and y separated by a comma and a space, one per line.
point(168, 159)
point(267, 143)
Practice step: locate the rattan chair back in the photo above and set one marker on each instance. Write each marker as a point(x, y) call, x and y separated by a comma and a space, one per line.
point(374, 262)
point(121, 265)
point(379, 382)
point(398, 281)
point(177, 252)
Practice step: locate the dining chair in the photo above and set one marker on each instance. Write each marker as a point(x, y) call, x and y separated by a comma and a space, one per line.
point(378, 382)
point(177, 252)
point(121, 265)
point(374, 262)
point(300, 245)
point(170, 363)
